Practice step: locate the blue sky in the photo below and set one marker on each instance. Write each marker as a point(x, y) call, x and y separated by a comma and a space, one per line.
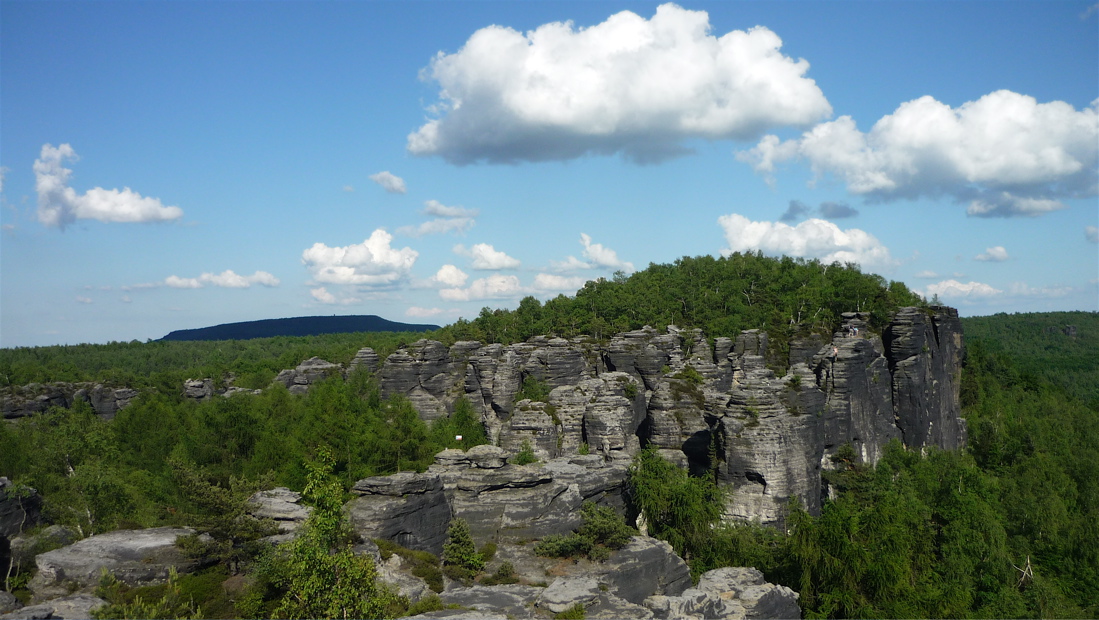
point(178, 165)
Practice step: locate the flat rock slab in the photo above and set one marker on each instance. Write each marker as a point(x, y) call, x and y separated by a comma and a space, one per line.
point(74, 607)
point(135, 557)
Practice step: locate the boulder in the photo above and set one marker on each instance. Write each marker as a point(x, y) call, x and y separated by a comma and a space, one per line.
point(282, 506)
point(298, 380)
point(135, 557)
point(8, 602)
point(567, 592)
point(24, 547)
point(731, 593)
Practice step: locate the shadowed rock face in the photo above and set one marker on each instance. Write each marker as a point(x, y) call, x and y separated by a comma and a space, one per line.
point(718, 407)
point(35, 398)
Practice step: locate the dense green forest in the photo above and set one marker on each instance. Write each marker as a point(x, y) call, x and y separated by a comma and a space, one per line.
point(1060, 347)
point(163, 364)
point(935, 534)
point(722, 296)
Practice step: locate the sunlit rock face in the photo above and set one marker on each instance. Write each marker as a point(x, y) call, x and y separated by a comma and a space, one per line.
point(762, 422)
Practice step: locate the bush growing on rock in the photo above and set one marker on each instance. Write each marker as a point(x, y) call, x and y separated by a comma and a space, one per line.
point(461, 561)
point(603, 531)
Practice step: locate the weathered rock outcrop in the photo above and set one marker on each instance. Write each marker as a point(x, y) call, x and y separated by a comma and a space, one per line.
point(696, 400)
point(407, 508)
point(732, 592)
point(312, 370)
point(135, 557)
point(20, 401)
point(280, 505)
point(72, 607)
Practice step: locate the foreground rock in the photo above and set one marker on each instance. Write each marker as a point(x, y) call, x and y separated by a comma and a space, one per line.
point(73, 607)
point(135, 557)
point(728, 593)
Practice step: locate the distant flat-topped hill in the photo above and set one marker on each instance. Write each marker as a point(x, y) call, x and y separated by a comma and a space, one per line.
point(298, 326)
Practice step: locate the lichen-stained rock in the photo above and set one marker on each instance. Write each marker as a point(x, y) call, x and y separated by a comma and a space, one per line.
point(408, 508)
point(135, 557)
point(768, 452)
point(677, 416)
point(924, 347)
point(558, 362)
point(531, 423)
point(643, 353)
point(613, 413)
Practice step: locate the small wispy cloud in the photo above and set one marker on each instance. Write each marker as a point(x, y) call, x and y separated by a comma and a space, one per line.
point(996, 254)
point(389, 182)
point(225, 279)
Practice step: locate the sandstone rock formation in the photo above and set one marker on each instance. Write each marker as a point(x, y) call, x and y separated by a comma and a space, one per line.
point(20, 401)
point(716, 407)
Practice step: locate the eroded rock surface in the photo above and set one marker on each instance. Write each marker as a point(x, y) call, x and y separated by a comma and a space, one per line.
point(135, 557)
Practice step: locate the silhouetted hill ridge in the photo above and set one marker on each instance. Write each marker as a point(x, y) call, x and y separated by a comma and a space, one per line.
point(297, 326)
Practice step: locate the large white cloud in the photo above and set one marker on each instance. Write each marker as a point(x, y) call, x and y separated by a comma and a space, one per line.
point(447, 219)
point(370, 263)
point(486, 257)
point(1004, 154)
point(390, 182)
point(627, 85)
point(59, 205)
point(225, 279)
point(496, 286)
point(813, 238)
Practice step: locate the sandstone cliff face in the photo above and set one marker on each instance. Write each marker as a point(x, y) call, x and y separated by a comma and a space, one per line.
point(716, 406)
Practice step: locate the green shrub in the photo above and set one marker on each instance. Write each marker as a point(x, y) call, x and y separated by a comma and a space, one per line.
point(603, 530)
point(534, 389)
point(459, 550)
point(576, 612)
point(526, 455)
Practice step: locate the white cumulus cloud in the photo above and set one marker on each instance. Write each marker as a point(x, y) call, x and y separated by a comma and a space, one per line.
point(995, 254)
point(629, 84)
point(59, 205)
point(450, 276)
point(447, 219)
point(487, 258)
point(496, 286)
point(813, 238)
point(1004, 155)
point(225, 279)
point(1092, 233)
point(603, 256)
point(370, 263)
point(389, 181)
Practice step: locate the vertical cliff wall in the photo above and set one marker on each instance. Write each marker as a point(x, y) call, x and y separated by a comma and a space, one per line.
point(712, 406)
